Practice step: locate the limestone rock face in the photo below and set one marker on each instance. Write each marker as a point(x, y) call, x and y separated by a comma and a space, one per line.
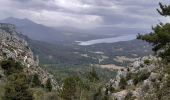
point(140, 80)
point(13, 46)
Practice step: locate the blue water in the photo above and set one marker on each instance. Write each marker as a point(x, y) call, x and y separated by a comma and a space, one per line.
point(108, 40)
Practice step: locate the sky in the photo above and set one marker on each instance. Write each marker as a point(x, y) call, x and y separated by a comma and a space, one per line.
point(86, 14)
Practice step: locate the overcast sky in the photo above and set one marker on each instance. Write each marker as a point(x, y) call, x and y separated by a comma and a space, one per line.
point(139, 14)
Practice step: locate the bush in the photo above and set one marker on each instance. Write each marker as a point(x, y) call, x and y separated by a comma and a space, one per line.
point(2, 90)
point(17, 87)
point(69, 88)
point(48, 85)
point(147, 61)
point(123, 83)
point(92, 75)
point(36, 81)
point(112, 89)
point(17, 84)
point(38, 93)
point(10, 67)
point(140, 77)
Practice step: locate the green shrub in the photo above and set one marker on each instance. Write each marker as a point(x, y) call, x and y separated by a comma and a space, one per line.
point(123, 83)
point(112, 89)
point(2, 90)
point(36, 81)
point(10, 67)
point(139, 77)
point(17, 87)
point(69, 88)
point(147, 61)
point(92, 75)
point(38, 93)
point(48, 85)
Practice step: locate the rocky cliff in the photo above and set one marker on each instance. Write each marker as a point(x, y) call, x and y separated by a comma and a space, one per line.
point(13, 46)
point(142, 80)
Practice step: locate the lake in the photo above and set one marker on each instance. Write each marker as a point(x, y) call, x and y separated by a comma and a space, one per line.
point(108, 40)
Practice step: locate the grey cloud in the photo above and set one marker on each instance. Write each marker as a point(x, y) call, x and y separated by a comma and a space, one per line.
point(138, 14)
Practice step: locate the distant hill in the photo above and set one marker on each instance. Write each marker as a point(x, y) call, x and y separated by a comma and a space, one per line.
point(49, 34)
point(35, 31)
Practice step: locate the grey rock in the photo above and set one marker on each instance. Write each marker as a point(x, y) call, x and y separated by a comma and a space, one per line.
point(153, 76)
point(12, 45)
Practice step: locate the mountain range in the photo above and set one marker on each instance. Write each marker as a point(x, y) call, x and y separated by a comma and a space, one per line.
point(50, 34)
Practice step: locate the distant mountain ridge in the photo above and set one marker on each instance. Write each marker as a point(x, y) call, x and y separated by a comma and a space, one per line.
point(49, 34)
point(33, 30)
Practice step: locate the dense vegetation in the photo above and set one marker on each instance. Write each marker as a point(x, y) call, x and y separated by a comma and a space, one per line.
point(18, 85)
point(76, 88)
point(21, 86)
point(62, 72)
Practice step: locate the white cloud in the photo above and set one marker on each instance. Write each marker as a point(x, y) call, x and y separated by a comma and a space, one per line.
point(84, 13)
point(52, 18)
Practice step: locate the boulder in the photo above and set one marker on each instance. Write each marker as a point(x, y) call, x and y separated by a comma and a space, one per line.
point(153, 76)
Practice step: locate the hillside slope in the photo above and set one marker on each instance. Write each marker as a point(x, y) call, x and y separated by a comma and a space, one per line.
point(12, 46)
point(145, 79)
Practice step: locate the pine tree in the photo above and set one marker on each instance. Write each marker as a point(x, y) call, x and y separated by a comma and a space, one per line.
point(48, 85)
point(69, 88)
point(10, 67)
point(160, 37)
point(123, 83)
point(165, 10)
point(36, 81)
point(92, 75)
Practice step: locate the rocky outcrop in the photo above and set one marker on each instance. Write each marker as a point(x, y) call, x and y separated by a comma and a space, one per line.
point(13, 46)
point(138, 81)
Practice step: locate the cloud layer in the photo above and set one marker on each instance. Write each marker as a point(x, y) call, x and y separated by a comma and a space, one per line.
point(86, 14)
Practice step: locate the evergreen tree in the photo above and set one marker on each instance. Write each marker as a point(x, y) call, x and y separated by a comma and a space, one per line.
point(165, 10)
point(160, 37)
point(36, 81)
point(10, 67)
point(123, 83)
point(48, 85)
point(69, 88)
point(92, 75)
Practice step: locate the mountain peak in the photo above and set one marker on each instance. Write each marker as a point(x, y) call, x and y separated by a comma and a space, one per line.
point(14, 20)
